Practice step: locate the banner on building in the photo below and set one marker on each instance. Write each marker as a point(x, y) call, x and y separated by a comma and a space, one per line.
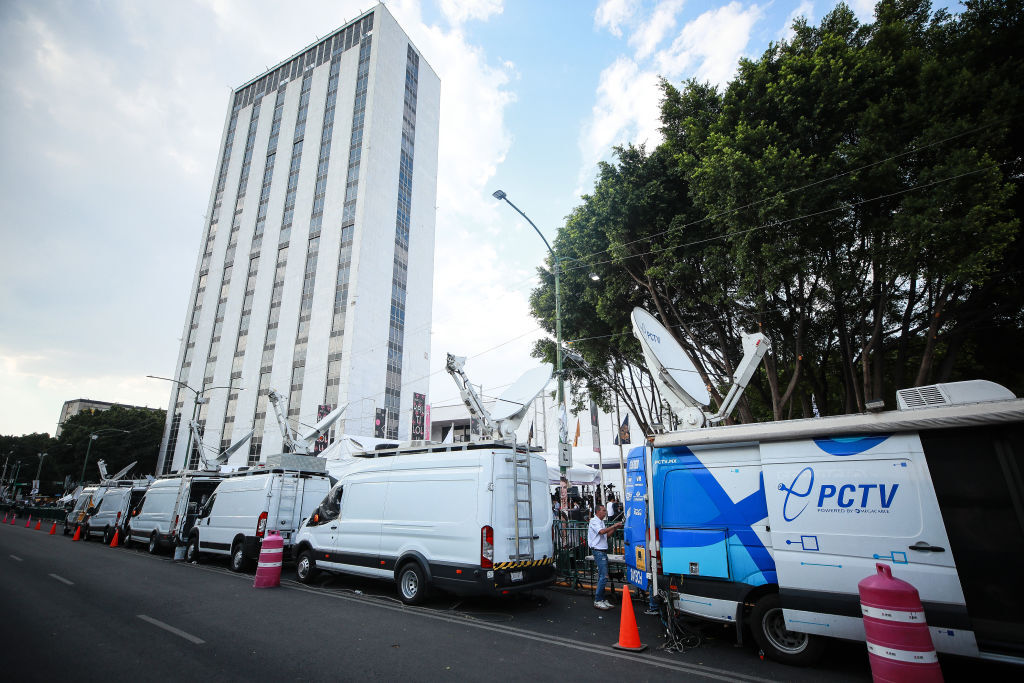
point(419, 402)
point(426, 428)
point(379, 423)
point(324, 439)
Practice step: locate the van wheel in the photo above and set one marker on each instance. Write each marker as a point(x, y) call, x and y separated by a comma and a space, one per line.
point(85, 532)
point(779, 643)
point(154, 544)
point(305, 567)
point(108, 536)
point(412, 585)
point(126, 537)
point(192, 549)
point(67, 531)
point(238, 561)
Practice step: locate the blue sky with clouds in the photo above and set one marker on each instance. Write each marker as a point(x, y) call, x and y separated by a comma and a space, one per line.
point(111, 113)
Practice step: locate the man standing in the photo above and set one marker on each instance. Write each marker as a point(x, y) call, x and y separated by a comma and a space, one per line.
point(597, 538)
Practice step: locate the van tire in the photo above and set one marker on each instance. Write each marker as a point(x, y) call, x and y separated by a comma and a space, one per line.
point(412, 584)
point(108, 536)
point(85, 532)
point(192, 549)
point(126, 537)
point(238, 562)
point(154, 544)
point(305, 567)
point(788, 647)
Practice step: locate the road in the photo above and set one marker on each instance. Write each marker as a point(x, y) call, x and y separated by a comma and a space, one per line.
point(87, 611)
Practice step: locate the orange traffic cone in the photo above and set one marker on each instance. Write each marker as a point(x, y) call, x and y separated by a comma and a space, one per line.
point(5, 517)
point(78, 534)
point(39, 525)
point(113, 541)
point(53, 529)
point(29, 522)
point(629, 634)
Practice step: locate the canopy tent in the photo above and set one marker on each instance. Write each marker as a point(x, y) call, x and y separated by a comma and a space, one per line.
point(577, 474)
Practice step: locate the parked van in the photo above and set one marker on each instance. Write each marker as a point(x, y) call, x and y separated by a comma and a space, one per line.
point(110, 513)
point(444, 516)
point(776, 523)
point(248, 504)
point(170, 507)
point(80, 511)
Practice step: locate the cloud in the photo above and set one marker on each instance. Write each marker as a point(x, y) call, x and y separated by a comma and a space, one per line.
point(612, 14)
point(460, 11)
point(709, 47)
point(651, 32)
point(864, 9)
point(627, 110)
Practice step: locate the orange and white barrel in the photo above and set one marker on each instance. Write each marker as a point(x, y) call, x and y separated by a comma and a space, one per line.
point(268, 571)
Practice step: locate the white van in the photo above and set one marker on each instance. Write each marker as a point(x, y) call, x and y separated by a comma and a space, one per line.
point(444, 515)
point(110, 513)
point(170, 507)
point(79, 513)
point(248, 504)
point(776, 523)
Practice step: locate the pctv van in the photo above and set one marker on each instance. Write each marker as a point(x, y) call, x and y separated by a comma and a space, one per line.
point(170, 507)
point(774, 524)
point(470, 519)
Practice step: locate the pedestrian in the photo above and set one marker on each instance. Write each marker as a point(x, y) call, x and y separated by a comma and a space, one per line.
point(597, 538)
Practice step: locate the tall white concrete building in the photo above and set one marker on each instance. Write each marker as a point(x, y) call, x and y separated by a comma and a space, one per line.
point(315, 269)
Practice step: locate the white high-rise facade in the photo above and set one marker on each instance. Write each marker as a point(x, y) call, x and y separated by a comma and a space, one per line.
point(315, 270)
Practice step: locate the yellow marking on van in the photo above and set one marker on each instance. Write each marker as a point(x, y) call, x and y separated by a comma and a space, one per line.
point(524, 563)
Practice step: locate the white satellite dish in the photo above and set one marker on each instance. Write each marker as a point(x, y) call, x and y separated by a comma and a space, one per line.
point(667, 360)
point(511, 407)
point(678, 379)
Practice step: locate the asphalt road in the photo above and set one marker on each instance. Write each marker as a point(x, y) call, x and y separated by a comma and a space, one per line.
point(89, 612)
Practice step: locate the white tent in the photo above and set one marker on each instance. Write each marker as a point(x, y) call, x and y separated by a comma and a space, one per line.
point(577, 474)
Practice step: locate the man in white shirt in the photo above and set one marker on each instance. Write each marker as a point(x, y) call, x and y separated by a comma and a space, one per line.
point(597, 539)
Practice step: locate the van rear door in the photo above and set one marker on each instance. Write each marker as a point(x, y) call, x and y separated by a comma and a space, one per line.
point(976, 473)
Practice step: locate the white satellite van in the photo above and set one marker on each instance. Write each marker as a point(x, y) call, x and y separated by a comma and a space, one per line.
point(247, 504)
point(445, 516)
point(170, 507)
point(111, 513)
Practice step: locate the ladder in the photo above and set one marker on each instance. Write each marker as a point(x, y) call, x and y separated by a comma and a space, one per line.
point(286, 504)
point(522, 497)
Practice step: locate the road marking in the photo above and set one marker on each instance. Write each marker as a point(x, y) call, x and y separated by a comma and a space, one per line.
point(167, 627)
point(15, 557)
point(63, 580)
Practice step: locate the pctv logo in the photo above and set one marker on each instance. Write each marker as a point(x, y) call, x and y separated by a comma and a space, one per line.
point(835, 497)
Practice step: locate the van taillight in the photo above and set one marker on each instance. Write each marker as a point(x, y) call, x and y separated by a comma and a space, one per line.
point(174, 529)
point(487, 547)
point(261, 525)
point(118, 520)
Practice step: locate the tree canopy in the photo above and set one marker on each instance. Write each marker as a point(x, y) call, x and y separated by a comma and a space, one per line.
point(122, 434)
point(853, 194)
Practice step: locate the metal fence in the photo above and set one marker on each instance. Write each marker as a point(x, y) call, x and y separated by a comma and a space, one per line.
point(574, 563)
point(47, 513)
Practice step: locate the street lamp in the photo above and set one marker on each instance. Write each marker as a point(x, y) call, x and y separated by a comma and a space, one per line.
point(199, 400)
point(500, 195)
point(92, 437)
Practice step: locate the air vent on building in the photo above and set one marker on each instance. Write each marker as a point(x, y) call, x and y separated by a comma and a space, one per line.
point(952, 393)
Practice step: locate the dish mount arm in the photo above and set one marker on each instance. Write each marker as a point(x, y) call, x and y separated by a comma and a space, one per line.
point(455, 366)
point(754, 347)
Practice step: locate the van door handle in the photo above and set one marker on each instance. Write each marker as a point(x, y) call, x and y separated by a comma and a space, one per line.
point(924, 545)
point(335, 526)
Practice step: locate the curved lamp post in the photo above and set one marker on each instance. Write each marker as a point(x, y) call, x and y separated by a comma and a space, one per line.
point(199, 400)
point(92, 437)
point(500, 195)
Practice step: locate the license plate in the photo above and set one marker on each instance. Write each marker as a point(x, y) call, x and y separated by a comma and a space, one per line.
point(517, 576)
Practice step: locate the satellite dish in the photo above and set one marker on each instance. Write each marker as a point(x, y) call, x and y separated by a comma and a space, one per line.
point(511, 406)
point(669, 364)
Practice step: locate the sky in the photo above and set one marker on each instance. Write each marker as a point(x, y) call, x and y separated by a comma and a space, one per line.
point(111, 114)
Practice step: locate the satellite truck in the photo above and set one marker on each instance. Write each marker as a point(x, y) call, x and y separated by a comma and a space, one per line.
point(772, 525)
point(469, 518)
point(174, 503)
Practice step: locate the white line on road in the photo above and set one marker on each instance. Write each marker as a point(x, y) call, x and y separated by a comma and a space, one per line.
point(15, 557)
point(167, 627)
point(63, 580)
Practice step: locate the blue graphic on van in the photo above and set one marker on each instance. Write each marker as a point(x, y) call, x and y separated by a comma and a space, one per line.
point(854, 498)
point(849, 445)
point(701, 526)
point(790, 491)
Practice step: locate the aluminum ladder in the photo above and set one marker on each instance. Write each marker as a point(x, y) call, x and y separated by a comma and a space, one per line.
point(522, 504)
